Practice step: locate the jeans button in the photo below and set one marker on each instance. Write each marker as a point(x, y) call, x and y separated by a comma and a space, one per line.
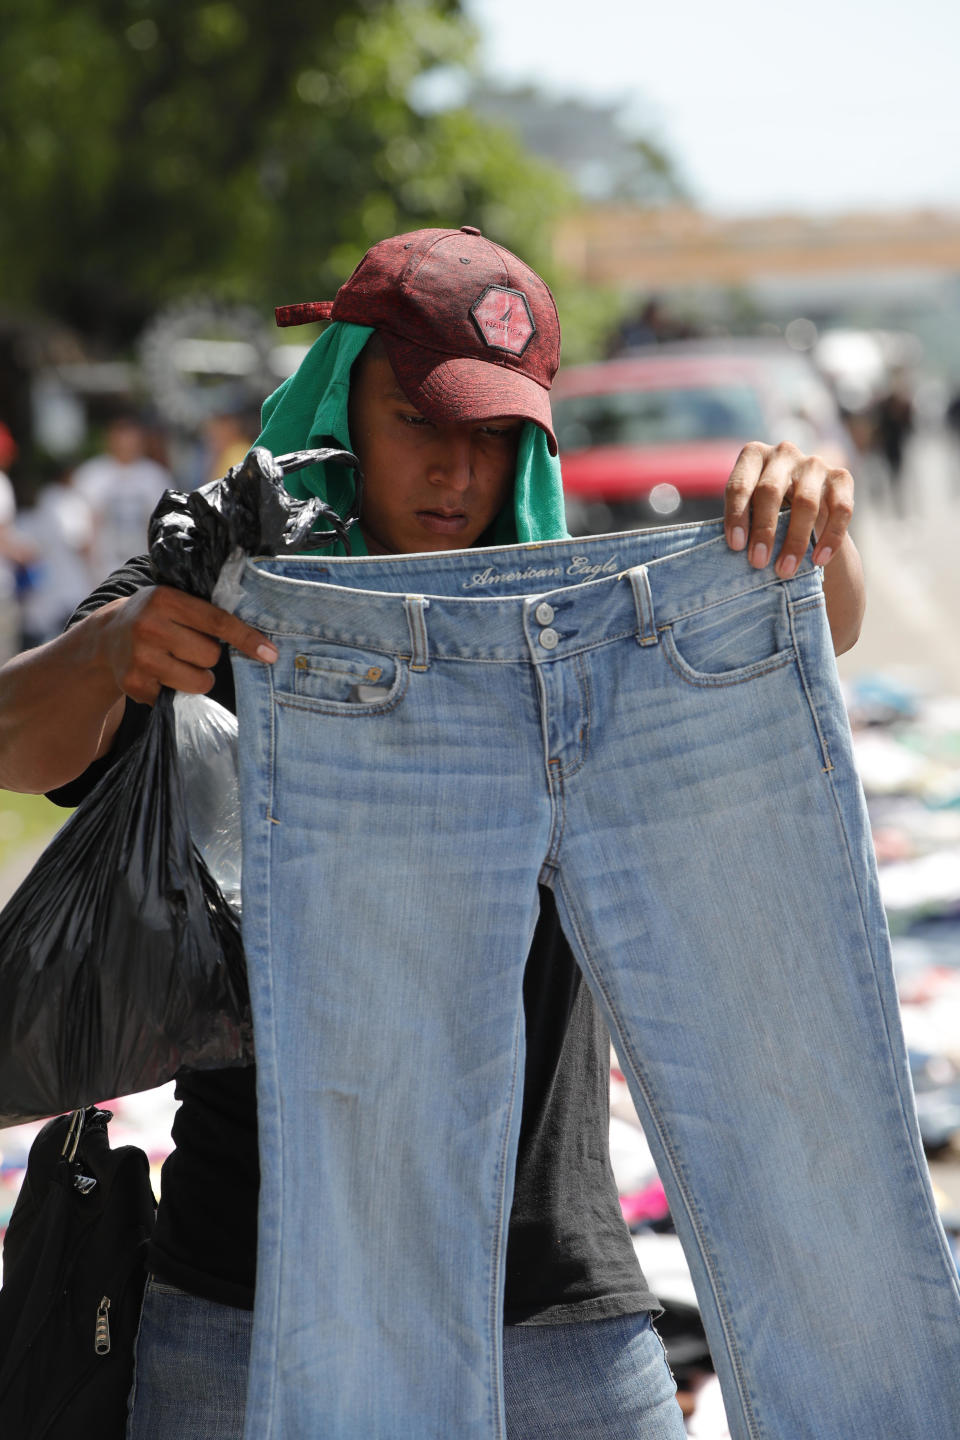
point(549, 639)
point(544, 613)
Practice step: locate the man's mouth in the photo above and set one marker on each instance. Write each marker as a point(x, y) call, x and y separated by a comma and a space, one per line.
point(443, 521)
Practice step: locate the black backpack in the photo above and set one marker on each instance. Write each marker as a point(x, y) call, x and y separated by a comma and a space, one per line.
point(74, 1270)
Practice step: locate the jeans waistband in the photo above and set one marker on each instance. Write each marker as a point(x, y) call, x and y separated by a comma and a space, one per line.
point(519, 602)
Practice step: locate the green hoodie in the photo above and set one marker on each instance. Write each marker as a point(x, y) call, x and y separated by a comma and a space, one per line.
point(312, 403)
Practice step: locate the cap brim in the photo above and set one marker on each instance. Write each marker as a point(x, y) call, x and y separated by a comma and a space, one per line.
point(458, 389)
point(306, 313)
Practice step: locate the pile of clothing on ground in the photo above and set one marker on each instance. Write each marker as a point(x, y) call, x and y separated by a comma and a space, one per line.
point(908, 755)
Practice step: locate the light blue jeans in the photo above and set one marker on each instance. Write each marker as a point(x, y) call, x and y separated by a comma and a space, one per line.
point(654, 729)
point(592, 1380)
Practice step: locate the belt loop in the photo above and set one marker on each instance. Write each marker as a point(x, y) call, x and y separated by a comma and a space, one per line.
point(416, 608)
point(643, 599)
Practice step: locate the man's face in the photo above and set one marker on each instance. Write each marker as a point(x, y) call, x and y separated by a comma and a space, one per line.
point(125, 441)
point(426, 486)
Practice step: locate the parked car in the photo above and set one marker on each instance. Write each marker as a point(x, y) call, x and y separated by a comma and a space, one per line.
point(651, 438)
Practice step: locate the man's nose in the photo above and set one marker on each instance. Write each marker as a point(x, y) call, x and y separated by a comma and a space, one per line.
point(453, 464)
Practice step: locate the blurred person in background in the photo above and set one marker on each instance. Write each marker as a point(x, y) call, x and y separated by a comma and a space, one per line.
point(952, 421)
point(122, 487)
point(59, 528)
point(894, 419)
point(228, 434)
point(652, 324)
point(15, 551)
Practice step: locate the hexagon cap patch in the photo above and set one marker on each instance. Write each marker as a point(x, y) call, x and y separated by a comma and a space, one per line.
point(503, 319)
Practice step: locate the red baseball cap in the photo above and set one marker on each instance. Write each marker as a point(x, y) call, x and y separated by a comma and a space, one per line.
point(471, 332)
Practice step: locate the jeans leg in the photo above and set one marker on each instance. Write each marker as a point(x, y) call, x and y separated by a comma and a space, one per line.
point(591, 1380)
point(390, 895)
point(715, 882)
point(190, 1376)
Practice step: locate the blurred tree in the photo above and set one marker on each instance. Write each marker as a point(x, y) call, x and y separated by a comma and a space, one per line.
point(244, 148)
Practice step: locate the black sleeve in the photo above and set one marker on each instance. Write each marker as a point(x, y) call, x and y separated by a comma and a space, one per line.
point(134, 576)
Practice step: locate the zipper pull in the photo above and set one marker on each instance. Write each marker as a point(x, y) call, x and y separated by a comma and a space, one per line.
point(101, 1343)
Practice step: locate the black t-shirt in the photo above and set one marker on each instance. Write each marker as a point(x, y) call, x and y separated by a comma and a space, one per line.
point(569, 1253)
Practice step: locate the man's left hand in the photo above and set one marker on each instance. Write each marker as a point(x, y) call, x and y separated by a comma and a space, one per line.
point(821, 504)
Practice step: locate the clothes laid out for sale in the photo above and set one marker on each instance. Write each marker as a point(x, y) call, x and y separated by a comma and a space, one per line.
point(653, 729)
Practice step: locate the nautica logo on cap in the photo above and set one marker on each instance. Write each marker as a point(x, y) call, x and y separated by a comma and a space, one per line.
point(503, 319)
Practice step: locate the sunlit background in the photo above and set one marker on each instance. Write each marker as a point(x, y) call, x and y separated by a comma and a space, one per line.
point(751, 220)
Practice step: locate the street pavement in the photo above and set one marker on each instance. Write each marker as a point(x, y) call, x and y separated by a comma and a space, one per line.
point(911, 631)
point(911, 556)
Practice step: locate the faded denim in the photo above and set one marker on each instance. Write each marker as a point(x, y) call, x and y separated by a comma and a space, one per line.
point(654, 729)
point(589, 1380)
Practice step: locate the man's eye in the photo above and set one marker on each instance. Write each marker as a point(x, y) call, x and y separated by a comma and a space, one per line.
point(412, 419)
point(500, 432)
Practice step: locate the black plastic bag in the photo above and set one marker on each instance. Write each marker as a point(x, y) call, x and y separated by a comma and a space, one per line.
point(191, 535)
point(121, 963)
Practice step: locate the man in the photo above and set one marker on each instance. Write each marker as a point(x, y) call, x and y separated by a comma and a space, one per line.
point(60, 525)
point(436, 371)
point(122, 487)
point(15, 550)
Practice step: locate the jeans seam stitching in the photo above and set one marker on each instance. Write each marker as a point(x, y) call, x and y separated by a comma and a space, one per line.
point(340, 708)
point(809, 602)
point(583, 739)
point(680, 1177)
point(267, 976)
point(496, 1299)
point(272, 749)
point(726, 600)
point(920, 1167)
point(697, 680)
point(801, 670)
point(554, 775)
point(584, 674)
point(559, 803)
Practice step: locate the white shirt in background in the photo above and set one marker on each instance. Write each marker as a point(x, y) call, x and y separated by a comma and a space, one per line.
point(60, 528)
point(122, 498)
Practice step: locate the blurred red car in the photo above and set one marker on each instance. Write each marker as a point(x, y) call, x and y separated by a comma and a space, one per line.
point(651, 438)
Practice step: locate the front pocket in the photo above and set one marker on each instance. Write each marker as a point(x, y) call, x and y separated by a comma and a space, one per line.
point(342, 676)
point(732, 641)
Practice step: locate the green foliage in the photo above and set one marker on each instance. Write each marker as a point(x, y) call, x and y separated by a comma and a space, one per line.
point(27, 823)
point(152, 148)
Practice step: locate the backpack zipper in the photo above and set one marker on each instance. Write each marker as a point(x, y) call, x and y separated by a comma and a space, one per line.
point(101, 1341)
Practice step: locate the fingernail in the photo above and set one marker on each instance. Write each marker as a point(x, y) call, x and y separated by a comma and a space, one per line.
point(267, 653)
point(787, 566)
point(823, 555)
point(759, 556)
point(738, 537)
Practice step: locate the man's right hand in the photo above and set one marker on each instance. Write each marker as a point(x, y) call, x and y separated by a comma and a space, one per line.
point(163, 637)
point(61, 704)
